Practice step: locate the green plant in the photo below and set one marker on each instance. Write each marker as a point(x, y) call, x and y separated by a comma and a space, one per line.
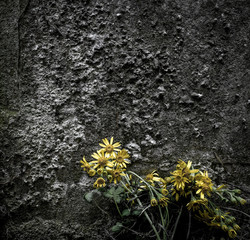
point(185, 187)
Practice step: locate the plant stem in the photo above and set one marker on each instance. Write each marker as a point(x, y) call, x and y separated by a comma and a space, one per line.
point(117, 208)
point(163, 222)
point(167, 218)
point(236, 211)
point(176, 223)
point(148, 185)
point(124, 185)
point(144, 212)
point(149, 220)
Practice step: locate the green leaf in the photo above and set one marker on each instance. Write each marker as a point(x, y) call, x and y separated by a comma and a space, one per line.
point(89, 196)
point(117, 227)
point(117, 198)
point(126, 212)
point(136, 212)
point(117, 194)
point(114, 193)
point(119, 190)
point(110, 193)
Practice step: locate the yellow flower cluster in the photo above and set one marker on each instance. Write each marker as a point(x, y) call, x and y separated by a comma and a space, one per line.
point(192, 186)
point(110, 163)
point(188, 181)
point(182, 179)
point(219, 219)
point(197, 186)
point(157, 188)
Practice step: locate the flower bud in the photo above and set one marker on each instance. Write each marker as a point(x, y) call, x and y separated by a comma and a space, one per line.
point(91, 172)
point(237, 191)
point(236, 227)
point(153, 202)
point(233, 200)
point(168, 179)
point(224, 227)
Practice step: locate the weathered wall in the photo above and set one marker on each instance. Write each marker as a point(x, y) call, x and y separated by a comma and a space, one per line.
point(167, 78)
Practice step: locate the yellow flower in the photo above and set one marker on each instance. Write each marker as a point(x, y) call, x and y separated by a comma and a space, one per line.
point(91, 172)
point(100, 182)
point(206, 216)
point(153, 202)
point(99, 171)
point(85, 165)
point(168, 180)
point(229, 219)
point(102, 160)
point(232, 233)
point(164, 191)
point(185, 168)
point(153, 177)
point(181, 164)
point(241, 200)
point(116, 174)
point(179, 180)
point(109, 147)
point(196, 203)
point(204, 184)
point(236, 227)
point(224, 227)
point(163, 201)
point(120, 158)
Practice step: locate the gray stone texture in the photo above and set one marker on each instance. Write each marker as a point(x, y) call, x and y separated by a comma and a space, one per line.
point(169, 79)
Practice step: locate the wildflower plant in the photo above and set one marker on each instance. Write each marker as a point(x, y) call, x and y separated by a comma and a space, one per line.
point(185, 187)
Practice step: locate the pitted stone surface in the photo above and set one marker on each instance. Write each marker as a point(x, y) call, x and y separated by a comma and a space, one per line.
point(168, 79)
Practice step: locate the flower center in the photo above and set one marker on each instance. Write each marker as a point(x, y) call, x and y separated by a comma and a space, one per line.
point(119, 159)
point(154, 202)
point(206, 181)
point(102, 161)
point(205, 187)
point(109, 148)
point(164, 192)
point(178, 178)
point(100, 181)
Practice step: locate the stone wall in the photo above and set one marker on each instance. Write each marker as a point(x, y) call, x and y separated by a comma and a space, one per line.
point(169, 79)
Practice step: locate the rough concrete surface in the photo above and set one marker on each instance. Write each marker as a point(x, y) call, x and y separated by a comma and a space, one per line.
point(169, 79)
